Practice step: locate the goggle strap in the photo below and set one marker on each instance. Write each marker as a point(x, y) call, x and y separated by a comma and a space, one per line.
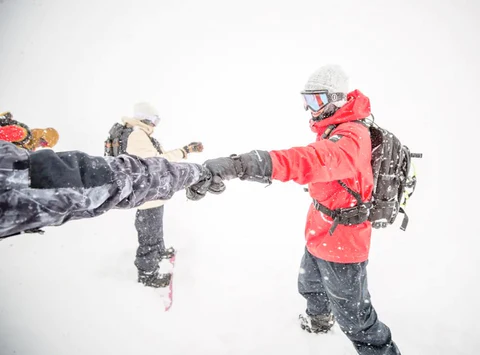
point(336, 96)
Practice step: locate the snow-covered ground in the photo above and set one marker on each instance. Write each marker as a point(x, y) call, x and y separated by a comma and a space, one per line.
point(229, 74)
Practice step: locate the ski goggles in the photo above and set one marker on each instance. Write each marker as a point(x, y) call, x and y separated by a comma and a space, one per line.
point(315, 101)
point(153, 120)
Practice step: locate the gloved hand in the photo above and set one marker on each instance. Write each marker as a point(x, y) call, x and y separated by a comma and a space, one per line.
point(254, 166)
point(207, 182)
point(196, 147)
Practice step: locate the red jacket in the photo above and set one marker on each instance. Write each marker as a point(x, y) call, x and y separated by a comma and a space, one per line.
point(320, 165)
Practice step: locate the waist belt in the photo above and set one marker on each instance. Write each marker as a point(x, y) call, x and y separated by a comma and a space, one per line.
point(345, 216)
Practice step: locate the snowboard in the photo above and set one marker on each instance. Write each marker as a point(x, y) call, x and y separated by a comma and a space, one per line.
point(166, 293)
point(169, 298)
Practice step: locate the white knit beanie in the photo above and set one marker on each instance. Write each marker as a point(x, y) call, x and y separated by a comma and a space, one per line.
point(145, 111)
point(329, 77)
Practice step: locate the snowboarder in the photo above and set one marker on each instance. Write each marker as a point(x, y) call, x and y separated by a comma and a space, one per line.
point(136, 139)
point(337, 168)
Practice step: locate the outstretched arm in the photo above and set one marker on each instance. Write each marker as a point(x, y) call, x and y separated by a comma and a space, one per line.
point(325, 160)
point(47, 188)
point(181, 153)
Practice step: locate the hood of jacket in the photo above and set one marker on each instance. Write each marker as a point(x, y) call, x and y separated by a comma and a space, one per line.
point(135, 122)
point(356, 108)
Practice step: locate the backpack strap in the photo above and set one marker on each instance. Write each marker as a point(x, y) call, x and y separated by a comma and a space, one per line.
point(345, 216)
point(363, 122)
point(157, 145)
point(351, 192)
point(410, 184)
point(328, 131)
point(404, 224)
point(331, 127)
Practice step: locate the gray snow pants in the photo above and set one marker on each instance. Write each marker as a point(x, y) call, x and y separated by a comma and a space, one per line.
point(149, 225)
point(342, 290)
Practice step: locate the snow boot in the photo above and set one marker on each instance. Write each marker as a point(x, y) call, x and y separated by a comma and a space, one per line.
point(167, 253)
point(316, 324)
point(154, 278)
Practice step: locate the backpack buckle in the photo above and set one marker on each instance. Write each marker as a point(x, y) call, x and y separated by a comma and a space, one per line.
point(350, 216)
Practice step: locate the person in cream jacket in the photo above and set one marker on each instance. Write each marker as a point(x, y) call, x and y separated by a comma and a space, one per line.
point(149, 216)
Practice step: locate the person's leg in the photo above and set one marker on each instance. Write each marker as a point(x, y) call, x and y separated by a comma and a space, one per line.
point(149, 225)
point(318, 318)
point(310, 286)
point(346, 287)
point(164, 252)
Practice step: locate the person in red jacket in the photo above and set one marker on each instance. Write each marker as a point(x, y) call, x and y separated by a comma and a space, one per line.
point(337, 169)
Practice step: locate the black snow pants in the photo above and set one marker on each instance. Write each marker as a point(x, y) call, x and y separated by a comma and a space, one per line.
point(149, 225)
point(342, 289)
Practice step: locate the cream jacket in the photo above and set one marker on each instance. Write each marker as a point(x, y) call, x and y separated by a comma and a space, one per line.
point(139, 144)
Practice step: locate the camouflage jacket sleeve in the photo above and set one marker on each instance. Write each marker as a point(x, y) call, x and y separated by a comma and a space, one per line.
point(45, 188)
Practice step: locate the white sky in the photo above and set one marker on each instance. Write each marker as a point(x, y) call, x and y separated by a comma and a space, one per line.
point(229, 74)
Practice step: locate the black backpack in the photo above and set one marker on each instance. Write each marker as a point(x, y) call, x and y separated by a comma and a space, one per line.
point(392, 180)
point(393, 183)
point(117, 140)
point(116, 143)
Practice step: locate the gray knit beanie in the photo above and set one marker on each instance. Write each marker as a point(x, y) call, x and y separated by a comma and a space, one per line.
point(329, 77)
point(146, 111)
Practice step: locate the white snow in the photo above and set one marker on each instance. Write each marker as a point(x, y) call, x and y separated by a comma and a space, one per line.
point(229, 74)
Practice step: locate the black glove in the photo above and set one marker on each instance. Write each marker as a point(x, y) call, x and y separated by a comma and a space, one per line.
point(254, 166)
point(196, 147)
point(207, 182)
